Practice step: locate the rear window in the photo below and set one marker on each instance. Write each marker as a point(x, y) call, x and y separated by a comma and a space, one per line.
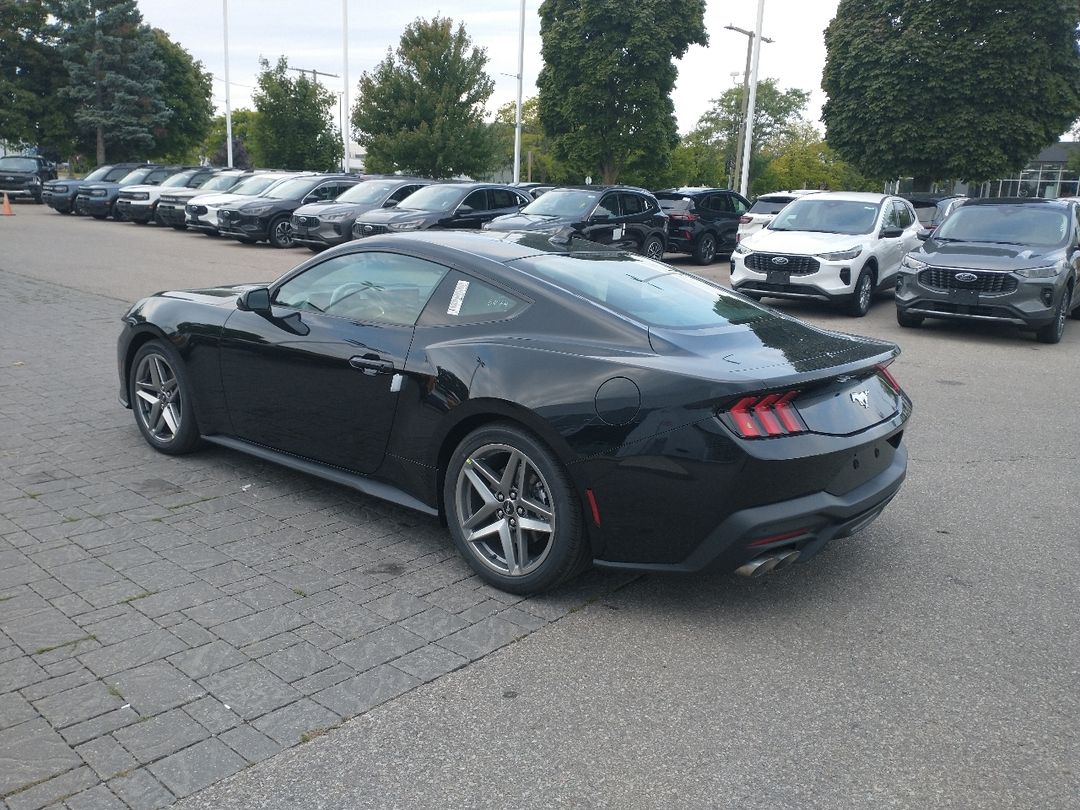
point(678, 204)
point(648, 291)
point(769, 205)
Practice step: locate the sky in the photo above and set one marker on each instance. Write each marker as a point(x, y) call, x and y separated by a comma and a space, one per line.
point(309, 34)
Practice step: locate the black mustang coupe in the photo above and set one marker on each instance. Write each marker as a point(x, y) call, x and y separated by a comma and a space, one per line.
point(553, 401)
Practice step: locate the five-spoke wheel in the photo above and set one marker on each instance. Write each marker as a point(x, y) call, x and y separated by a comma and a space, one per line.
point(158, 395)
point(511, 510)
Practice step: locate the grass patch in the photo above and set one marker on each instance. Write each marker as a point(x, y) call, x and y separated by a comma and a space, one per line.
point(72, 644)
point(308, 736)
point(116, 693)
point(299, 591)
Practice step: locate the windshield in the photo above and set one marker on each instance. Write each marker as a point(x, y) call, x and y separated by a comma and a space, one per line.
point(440, 197)
point(180, 179)
point(769, 205)
point(292, 189)
point(18, 164)
point(827, 216)
point(219, 182)
point(372, 191)
point(648, 291)
point(563, 203)
point(257, 184)
point(1034, 224)
point(134, 178)
point(97, 174)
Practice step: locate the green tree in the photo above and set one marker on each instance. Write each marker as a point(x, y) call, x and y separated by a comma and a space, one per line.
point(115, 75)
point(187, 92)
point(243, 123)
point(545, 167)
point(422, 109)
point(294, 126)
point(31, 75)
point(605, 88)
point(801, 159)
point(930, 90)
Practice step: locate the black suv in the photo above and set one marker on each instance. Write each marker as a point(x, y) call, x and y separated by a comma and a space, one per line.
point(623, 217)
point(702, 221)
point(443, 205)
point(60, 194)
point(25, 175)
point(322, 224)
point(269, 217)
point(998, 260)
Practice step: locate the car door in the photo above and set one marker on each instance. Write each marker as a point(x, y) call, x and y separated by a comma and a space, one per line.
point(600, 224)
point(909, 221)
point(890, 249)
point(504, 201)
point(472, 212)
point(316, 375)
point(632, 226)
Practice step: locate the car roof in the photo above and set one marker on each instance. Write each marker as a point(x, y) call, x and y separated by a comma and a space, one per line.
point(794, 192)
point(690, 190)
point(498, 246)
point(1061, 203)
point(601, 188)
point(853, 196)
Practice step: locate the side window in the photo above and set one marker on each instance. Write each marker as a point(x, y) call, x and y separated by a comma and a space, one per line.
point(905, 215)
point(326, 191)
point(155, 178)
point(609, 204)
point(478, 200)
point(370, 286)
point(738, 205)
point(403, 192)
point(891, 219)
point(502, 198)
point(463, 299)
point(632, 204)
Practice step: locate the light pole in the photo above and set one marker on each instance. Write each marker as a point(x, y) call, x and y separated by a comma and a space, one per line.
point(345, 133)
point(749, 117)
point(517, 119)
point(750, 38)
point(228, 103)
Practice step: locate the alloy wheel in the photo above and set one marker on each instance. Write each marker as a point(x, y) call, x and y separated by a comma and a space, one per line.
point(282, 234)
point(504, 510)
point(157, 399)
point(654, 249)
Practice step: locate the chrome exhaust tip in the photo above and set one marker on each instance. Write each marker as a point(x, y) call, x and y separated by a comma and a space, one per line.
point(786, 559)
point(757, 567)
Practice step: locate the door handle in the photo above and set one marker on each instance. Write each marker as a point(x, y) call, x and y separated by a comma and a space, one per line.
point(372, 365)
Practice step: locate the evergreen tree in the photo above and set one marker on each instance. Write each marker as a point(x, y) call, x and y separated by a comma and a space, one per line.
point(605, 88)
point(115, 75)
point(293, 128)
point(932, 90)
point(422, 109)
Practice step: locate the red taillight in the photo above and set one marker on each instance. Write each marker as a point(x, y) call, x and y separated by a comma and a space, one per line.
point(746, 220)
point(683, 217)
point(757, 417)
point(886, 375)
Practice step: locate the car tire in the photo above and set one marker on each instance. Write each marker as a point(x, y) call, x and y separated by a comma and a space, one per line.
point(705, 249)
point(499, 465)
point(859, 302)
point(281, 232)
point(179, 227)
point(1075, 314)
point(653, 247)
point(100, 216)
point(160, 397)
point(63, 210)
point(1052, 332)
point(246, 240)
point(907, 320)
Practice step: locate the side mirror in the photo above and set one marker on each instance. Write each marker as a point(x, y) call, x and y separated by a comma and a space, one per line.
point(463, 210)
point(924, 233)
point(891, 233)
point(254, 300)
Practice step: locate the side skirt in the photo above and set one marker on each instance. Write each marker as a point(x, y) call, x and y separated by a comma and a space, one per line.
point(361, 483)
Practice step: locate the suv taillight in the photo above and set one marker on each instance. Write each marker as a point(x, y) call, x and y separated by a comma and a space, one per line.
point(683, 217)
point(765, 416)
point(745, 220)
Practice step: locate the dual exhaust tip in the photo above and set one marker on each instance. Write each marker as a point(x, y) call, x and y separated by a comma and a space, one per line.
point(760, 566)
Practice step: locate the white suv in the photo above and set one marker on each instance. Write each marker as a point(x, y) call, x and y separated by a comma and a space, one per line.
point(765, 209)
point(829, 246)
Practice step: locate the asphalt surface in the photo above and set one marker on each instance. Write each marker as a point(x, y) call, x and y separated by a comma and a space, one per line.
point(930, 661)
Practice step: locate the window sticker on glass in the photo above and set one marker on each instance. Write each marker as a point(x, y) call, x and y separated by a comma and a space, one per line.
point(460, 289)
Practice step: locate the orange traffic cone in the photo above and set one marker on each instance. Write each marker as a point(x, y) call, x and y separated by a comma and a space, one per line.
point(6, 211)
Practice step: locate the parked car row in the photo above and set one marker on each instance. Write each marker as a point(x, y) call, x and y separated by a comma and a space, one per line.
point(995, 260)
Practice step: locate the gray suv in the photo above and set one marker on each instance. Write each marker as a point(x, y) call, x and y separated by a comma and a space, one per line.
point(1000, 260)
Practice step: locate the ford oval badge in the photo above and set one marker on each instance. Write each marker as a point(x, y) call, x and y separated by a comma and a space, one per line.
point(967, 278)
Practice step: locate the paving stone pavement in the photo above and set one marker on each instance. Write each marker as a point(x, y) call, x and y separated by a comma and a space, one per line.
point(166, 622)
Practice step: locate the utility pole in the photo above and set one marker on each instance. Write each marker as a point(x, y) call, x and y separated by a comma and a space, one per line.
point(517, 117)
point(228, 88)
point(346, 135)
point(750, 36)
point(744, 182)
point(315, 74)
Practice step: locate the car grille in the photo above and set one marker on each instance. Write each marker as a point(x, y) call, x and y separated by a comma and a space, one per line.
point(985, 282)
point(228, 216)
point(196, 210)
point(796, 265)
point(307, 222)
point(363, 229)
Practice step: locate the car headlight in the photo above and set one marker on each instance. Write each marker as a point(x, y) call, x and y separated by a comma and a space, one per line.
point(406, 226)
point(841, 255)
point(140, 195)
point(35, 180)
point(334, 217)
point(58, 189)
point(1049, 271)
point(257, 210)
point(913, 264)
point(742, 249)
point(98, 192)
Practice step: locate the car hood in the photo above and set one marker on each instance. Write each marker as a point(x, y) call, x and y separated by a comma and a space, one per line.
point(142, 187)
point(805, 242)
point(187, 193)
point(388, 215)
point(223, 198)
point(330, 207)
point(985, 255)
point(108, 186)
point(527, 222)
point(223, 296)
